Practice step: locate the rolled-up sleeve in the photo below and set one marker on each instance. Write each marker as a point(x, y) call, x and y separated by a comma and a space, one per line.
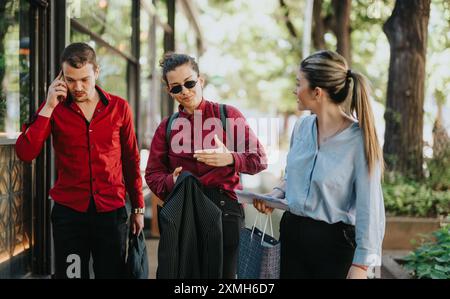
point(370, 214)
point(158, 175)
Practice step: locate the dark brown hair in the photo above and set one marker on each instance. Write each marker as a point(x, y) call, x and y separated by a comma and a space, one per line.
point(172, 60)
point(78, 54)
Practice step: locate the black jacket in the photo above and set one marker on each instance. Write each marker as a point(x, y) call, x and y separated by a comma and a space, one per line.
point(190, 244)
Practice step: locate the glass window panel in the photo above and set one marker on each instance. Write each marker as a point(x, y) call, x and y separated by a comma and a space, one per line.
point(111, 19)
point(113, 67)
point(14, 66)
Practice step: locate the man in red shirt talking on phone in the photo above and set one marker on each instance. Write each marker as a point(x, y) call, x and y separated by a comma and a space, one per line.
point(97, 162)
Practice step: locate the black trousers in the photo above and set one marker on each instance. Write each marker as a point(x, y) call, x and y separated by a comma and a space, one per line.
point(77, 235)
point(232, 222)
point(315, 249)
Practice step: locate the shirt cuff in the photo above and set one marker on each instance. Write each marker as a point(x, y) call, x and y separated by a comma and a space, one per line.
point(138, 201)
point(366, 258)
point(237, 162)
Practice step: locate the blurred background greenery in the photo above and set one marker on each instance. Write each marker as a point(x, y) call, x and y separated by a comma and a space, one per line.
point(253, 50)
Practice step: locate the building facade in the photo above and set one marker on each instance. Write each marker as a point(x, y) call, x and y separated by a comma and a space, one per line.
point(129, 37)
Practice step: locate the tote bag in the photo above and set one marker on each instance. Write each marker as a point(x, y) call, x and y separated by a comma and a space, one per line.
point(259, 253)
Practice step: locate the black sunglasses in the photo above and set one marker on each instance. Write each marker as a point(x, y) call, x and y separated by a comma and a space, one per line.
point(178, 88)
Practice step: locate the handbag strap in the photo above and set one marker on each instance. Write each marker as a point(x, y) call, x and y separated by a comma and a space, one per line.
point(254, 225)
point(268, 219)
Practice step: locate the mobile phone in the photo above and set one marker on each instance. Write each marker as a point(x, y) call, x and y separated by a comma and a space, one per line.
point(62, 98)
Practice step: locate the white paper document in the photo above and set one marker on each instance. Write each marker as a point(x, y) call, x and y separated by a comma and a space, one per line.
point(247, 197)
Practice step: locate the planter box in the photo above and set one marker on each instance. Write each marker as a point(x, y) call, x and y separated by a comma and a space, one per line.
point(391, 268)
point(400, 231)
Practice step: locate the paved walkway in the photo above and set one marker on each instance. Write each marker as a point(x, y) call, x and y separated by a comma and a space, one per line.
point(152, 252)
point(389, 270)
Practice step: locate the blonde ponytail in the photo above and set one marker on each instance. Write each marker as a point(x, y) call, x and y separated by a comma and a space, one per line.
point(360, 105)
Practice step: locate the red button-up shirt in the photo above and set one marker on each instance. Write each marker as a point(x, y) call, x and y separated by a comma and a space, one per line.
point(99, 159)
point(163, 160)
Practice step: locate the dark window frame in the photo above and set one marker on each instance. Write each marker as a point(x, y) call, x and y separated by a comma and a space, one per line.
point(133, 69)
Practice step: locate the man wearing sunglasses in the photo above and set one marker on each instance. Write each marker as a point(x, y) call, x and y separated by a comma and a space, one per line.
point(216, 166)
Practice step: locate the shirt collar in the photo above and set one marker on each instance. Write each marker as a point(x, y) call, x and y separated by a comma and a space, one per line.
point(201, 107)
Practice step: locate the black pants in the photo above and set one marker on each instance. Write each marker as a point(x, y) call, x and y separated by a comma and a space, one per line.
point(77, 235)
point(315, 249)
point(232, 222)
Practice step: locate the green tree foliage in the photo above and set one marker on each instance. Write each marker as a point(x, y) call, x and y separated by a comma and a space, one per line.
point(264, 56)
point(438, 73)
point(269, 54)
point(255, 35)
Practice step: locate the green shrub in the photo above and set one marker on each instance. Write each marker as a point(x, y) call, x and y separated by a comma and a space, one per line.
point(439, 171)
point(403, 197)
point(432, 259)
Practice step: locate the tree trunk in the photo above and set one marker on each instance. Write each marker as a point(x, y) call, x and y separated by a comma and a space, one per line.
point(341, 27)
point(407, 31)
point(318, 35)
point(287, 19)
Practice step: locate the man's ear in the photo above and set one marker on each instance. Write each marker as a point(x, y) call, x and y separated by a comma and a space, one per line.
point(97, 72)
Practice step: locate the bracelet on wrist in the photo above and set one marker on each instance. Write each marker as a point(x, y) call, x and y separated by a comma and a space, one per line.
point(138, 211)
point(363, 267)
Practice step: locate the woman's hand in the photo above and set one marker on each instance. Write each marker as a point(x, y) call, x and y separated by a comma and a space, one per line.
point(176, 173)
point(57, 92)
point(217, 157)
point(261, 206)
point(356, 273)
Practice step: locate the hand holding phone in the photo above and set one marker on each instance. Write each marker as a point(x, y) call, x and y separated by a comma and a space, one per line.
point(57, 91)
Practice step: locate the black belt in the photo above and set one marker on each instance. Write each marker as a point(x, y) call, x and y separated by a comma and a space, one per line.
point(227, 205)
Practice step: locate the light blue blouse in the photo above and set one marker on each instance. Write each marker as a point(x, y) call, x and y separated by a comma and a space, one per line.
point(332, 184)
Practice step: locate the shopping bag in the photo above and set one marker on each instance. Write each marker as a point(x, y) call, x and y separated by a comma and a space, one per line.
point(259, 253)
point(137, 260)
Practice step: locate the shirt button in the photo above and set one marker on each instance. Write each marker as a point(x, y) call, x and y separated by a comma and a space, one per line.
point(95, 192)
point(98, 110)
point(220, 190)
point(222, 203)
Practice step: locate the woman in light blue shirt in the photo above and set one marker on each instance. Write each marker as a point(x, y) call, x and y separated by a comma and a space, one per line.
point(335, 224)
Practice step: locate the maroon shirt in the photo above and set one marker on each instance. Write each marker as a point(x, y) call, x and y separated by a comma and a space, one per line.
point(163, 159)
point(99, 159)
